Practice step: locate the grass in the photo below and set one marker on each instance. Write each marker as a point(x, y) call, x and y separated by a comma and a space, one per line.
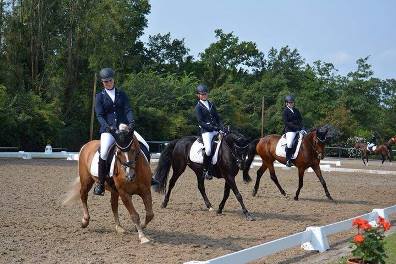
point(390, 248)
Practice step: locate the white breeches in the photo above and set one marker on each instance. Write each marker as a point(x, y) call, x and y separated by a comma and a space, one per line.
point(106, 141)
point(289, 138)
point(207, 141)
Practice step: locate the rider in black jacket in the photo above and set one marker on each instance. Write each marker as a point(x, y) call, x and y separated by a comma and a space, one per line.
point(209, 123)
point(293, 123)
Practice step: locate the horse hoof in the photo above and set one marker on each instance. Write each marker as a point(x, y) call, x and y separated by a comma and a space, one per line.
point(296, 198)
point(163, 205)
point(250, 218)
point(120, 230)
point(287, 196)
point(84, 223)
point(219, 212)
point(144, 240)
point(254, 192)
point(211, 209)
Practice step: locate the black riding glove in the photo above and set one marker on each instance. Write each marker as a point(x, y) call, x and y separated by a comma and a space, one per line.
point(131, 126)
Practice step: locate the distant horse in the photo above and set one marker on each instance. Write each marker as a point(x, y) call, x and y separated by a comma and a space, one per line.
point(392, 140)
point(383, 150)
point(310, 153)
point(132, 175)
point(231, 156)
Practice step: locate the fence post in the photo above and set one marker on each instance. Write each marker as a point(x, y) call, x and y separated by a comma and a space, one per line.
point(318, 240)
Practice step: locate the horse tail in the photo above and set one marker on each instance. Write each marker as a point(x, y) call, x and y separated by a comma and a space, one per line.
point(164, 164)
point(74, 192)
point(250, 156)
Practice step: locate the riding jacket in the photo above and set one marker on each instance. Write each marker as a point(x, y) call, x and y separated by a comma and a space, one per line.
point(112, 114)
point(208, 119)
point(292, 120)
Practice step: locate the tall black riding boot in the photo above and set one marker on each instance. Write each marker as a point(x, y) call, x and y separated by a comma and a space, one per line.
point(100, 187)
point(288, 157)
point(207, 167)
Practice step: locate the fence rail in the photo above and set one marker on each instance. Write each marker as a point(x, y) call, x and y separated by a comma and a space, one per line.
point(313, 238)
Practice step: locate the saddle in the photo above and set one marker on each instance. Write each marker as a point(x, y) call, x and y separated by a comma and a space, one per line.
point(281, 145)
point(197, 150)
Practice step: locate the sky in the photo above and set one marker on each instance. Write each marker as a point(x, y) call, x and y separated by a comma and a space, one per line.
point(336, 31)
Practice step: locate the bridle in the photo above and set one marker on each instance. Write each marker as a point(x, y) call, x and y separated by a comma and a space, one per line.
point(235, 148)
point(315, 143)
point(130, 164)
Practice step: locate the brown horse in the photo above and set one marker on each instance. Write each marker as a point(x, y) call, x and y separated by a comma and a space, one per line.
point(310, 154)
point(383, 150)
point(392, 140)
point(132, 175)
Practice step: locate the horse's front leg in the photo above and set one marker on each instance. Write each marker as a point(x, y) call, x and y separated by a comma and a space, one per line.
point(201, 188)
point(127, 200)
point(230, 180)
point(148, 205)
point(318, 172)
point(114, 208)
point(227, 189)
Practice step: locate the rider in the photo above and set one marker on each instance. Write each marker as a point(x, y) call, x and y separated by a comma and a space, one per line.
point(372, 142)
point(209, 123)
point(293, 123)
point(112, 108)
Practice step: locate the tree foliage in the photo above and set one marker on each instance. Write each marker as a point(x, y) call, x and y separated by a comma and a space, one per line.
point(50, 50)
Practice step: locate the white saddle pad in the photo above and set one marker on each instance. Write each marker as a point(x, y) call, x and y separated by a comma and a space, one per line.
point(280, 147)
point(95, 160)
point(197, 150)
point(373, 148)
point(94, 165)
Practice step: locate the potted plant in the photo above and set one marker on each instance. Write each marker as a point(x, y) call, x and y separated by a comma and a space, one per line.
point(368, 244)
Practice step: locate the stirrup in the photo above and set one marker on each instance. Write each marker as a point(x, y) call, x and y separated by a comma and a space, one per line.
point(99, 189)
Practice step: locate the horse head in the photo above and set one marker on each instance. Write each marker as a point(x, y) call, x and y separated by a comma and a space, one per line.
point(319, 140)
point(127, 150)
point(238, 145)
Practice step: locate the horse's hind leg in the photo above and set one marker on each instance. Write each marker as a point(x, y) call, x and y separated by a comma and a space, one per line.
point(275, 180)
point(148, 205)
point(86, 185)
point(383, 158)
point(227, 189)
point(127, 200)
point(260, 173)
point(114, 208)
point(178, 169)
point(201, 188)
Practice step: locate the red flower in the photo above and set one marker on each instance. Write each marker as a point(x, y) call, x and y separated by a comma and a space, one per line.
point(386, 225)
point(361, 223)
point(358, 239)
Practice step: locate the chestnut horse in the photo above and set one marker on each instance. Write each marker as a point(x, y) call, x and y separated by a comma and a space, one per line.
point(132, 175)
point(392, 140)
point(383, 150)
point(310, 153)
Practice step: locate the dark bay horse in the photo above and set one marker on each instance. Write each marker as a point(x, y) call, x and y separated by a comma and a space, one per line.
point(132, 175)
point(383, 150)
point(392, 140)
point(231, 157)
point(310, 154)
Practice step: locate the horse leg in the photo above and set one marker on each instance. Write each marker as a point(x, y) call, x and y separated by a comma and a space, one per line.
point(148, 205)
point(201, 188)
point(363, 156)
point(318, 172)
point(127, 200)
point(383, 158)
point(178, 167)
point(86, 185)
point(260, 173)
point(232, 184)
point(274, 178)
point(227, 189)
point(300, 182)
point(114, 208)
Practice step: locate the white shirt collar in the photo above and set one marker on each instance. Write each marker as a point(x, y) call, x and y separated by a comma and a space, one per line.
point(205, 103)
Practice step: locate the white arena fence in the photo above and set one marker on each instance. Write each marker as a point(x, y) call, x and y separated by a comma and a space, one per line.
point(313, 238)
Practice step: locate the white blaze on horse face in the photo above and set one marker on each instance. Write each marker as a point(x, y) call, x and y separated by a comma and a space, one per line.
point(127, 169)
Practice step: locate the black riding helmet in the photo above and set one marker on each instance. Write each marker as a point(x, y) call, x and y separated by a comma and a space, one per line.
point(289, 98)
point(202, 89)
point(106, 74)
